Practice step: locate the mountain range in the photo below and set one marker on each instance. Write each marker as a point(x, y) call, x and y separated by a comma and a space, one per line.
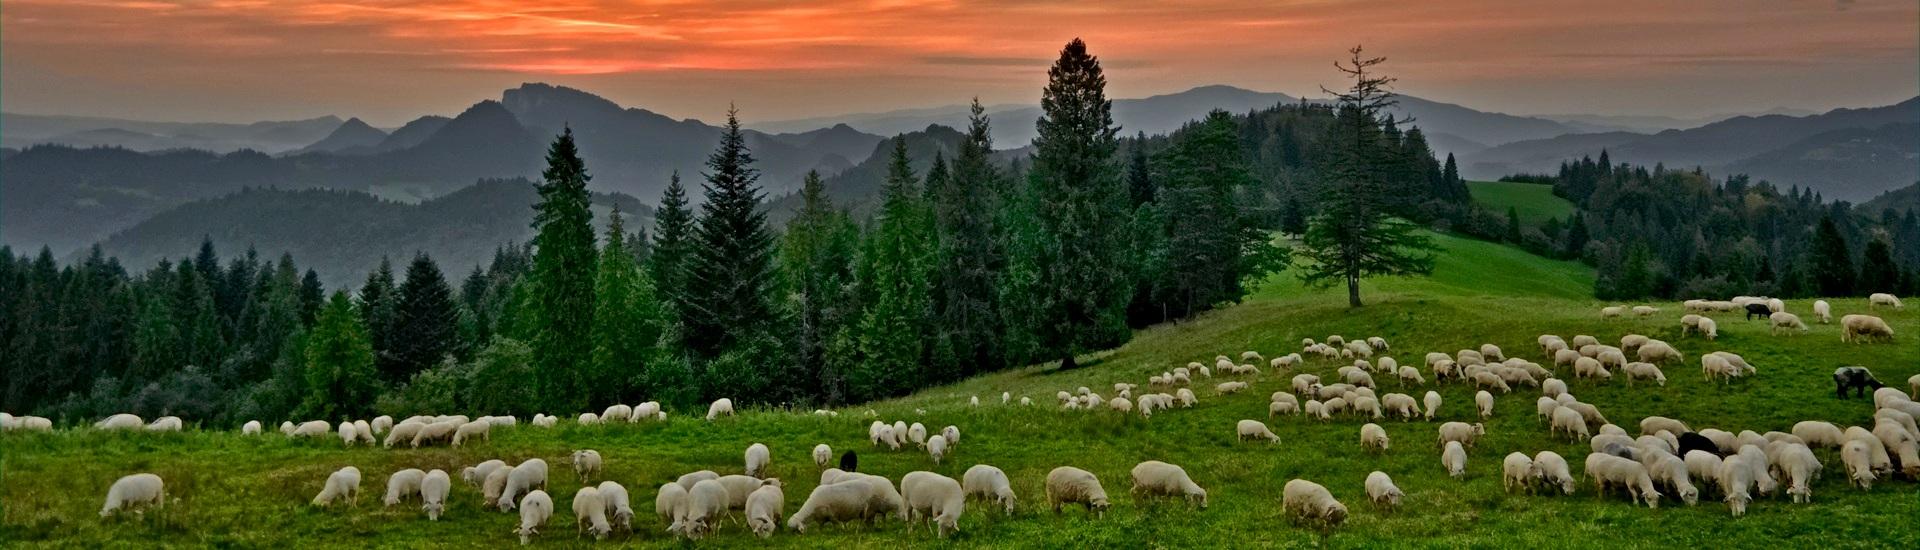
point(79, 131)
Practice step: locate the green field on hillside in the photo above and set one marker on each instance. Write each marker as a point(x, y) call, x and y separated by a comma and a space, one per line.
point(1534, 202)
point(226, 489)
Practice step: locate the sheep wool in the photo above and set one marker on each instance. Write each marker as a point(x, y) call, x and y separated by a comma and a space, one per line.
point(433, 493)
point(1382, 492)
point(934, 498)
point(590, 513)
point(137, 490)
point(765, 506)
point(1310, 502)
point(402, 485)
point(1156, 478)
point(757, 458)
point(1070, 485)
point(990, 483)
point(586, 463)
point(342, 483)
point(535, 510)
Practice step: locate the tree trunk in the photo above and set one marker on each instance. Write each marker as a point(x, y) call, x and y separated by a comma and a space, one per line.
point(1353, 291)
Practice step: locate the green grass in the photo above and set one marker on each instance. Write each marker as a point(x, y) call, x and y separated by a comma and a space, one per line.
point(232, 490)
point(1534, 202)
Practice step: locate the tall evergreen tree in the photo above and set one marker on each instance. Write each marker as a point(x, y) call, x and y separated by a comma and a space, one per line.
point(895, 328)
point(377, 304)
point(1577, 237)
point(341, 379)
point(562, 278)
point(425, 322)
point(626, 321)
point(1353, 237)
point(198, 323)
point(1209, 239)
point(1878, 272)
point(1831, 261)
point(965, 298)
point(816, 258)
point(1076, 183)
point(730, 272)
point(312, 296)
point(1140, 186)
point(672, 231)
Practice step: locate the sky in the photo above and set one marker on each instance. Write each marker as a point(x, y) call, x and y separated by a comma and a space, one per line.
point(389, 61)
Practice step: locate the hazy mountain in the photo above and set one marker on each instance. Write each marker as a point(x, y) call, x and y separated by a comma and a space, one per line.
point(1899, 200)
point(1538, 155)
point(858, 187)
point(1444, 143)
point(271, 136)
point(412, 133)
point(354, 135)
point(1851, 164)
point(1013, 124)
point(343, 234)
point(1648, 124)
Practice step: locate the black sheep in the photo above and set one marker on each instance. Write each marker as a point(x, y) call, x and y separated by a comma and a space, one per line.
point(1692, 441)
point(849, 462)
point(1857, 378)
point(1759, 309)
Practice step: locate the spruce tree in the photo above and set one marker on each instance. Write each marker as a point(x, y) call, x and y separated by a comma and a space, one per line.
point(729, 271)
point(377, 303)
point(1577, 237)
point(198, 323)
point(1140, 186)
point(672, 229)
point(894, 329)
point(1831, 262)
point(816, 258)
point(1353, 237)
point(1076, 188)
point(626, 321)
point(966, 303)
point(425, 322)
point(1207, 234)
point(1878, 273)
point(562, 278)
point(312, 296)
point(341, 379)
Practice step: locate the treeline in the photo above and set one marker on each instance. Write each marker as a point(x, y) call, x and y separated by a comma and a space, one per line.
point(1681, 234)
point(966, 267)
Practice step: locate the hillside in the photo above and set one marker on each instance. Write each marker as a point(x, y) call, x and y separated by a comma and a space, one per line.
point(1900, 200)
point(343, 234)
point(79, 131)
point(1535, 203)
point(1848, 164)
point(251, 491)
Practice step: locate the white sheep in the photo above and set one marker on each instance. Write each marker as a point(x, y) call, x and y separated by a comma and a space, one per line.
point(1823, 310)
point(822, 454)
point(1655, 424)
point(252, 427)
point(1382, 492)
point(535, 510)
point(122, 421)
point(1607, 470)
point(1374, 438)
point(1864, 328)
point(1568, 420)
point(587, 462)
point(1735, 481)
point(1225, 388)
point(952, 433)
point(1551, 469)
point(720, 407)
point(937, 447)
point(1454, 458)
point(590, 513)
point(1798, 465)
point(165, 424)
point(1156, 478)
point(1410, 374)
point(588, 419)
point(1256, 430)
point(1818, 434)
point(917, 433)
point(1120, 405)
point(1857, 456)
point(476, 474)
point(1783, 321)
point(1544, 407)
point(1708, 328)
point(1310, 502)
point(1878, 299)
point(935, 498)
point(435, 432)
point(706, 502)
point(1703, 464)
point(381, 424)
point(1485, 401)
point(988, 482)
point(342, 483)
point(1644, 371)
point(757, 458)
point(831, 502)
point(1517, 471)
point(617, 413)
point(1070, 485)
point(525, 477)
point(1462, 432)
point(1186, 397)
point(495, 484)
point(402, 485)
point(1432, 402)
point(671, 505)
point(433, 493)
point(479, 428)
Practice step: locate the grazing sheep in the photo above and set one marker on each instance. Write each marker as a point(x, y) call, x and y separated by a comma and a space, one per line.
point(1798, 465)
point(1517, 471)
point(590, 513)
point(1432, 400)
point(1551, 469)
point(476, 474)
point(1878, 299)
point(1818, 434)
point(402, 485)
point(1655, 424)
point(1310, 502)
point(1781, 320)
point(1588, 367)
point(671, 505)
point(495, 484)
point(1569, 420)
point(1757, 460)
point(587, 462)
point(952, 433)
point(588, 419)
point(435, 432)
point(619, 507)
point(1374, 438)
point(1226, 388)
point(535, 510)
point(822, 454)
point(1856, 455)
point(1823, 310)
point(1708, 328)
point(937, 448)
point(1612, 312)
point(1485, 401)
point(342, 483)
point(757, 457)
point(1122, 405)
point(1317, 410)
point(1857, 378)
point(1257, 430)
point(1462, 432)
point(121, 421)
point(1553, 387)
point(765, 506)
point(1644, 371)
point(1382, 492)
point(433, 493)
point(1657, 351)
point(1864, 328)
point(1454, 458)
point(934, 497)
point(1544, 407)
point(1608, 470)
point(252, 427)
point(988, 482)
point(1878, 458)
point(1645, 311)
point(917, 433)
point(1758, 309)
point(720, 407)
point(1400, 404)
point(1068, 485)
point(834, 502)
point(1735, 481)
point(478, 428)
point(706, 502)
point(525, 477)
point(1156, 478)
point(1186, 398)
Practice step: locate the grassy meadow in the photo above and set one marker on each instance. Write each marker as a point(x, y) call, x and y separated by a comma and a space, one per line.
point(1534, 202)
point(228, 490)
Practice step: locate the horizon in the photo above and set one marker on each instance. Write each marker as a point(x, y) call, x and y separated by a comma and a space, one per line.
point(300, 60)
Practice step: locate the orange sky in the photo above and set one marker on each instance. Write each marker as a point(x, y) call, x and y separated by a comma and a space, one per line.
point(389, 60)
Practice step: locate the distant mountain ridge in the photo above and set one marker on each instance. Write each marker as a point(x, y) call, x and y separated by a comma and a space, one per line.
point(79, 131)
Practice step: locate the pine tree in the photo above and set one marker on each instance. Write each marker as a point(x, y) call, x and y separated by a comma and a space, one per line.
point(626, 321)
point(377, 303)
point(1577, 237)
point(729, 270)
point(1878, 272)
point(1076, 183)
point(198, 323)
point(1293, 218)
point(1513, 225)
point(673, 227)
point(1831, 261)
point(562, 278)
point(897, 323)
point(1207, 238)
point(1140, 186)
point(964, 278)
point(1353, 237)
point(425, 322)
point(816, 258)
point(341, 379)
point(312, 296)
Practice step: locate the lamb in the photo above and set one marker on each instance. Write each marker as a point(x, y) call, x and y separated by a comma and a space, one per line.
point(1517, 471)
point(1382, 492)
point(832, 502)
point(1655, 424)
point(1864, 328)
point(590, 512)
point(1569, 420)
point(479, 428)
point(1069, 485)
point(521, 479)
point(1454, 458)
point(988, 482)
point(1310, 502)
point(822, 454)
point(720, 407)
point(1156, 478)
point(1461, 432)
point(1551, 469)
point(1257, 430)
point(671, 505)
point(1432, 402)
point(1878, 299)
point(587, 462)
point(1644, 371)
point(342, 483)
point(433, 493)
point(619, 507)
point(535, 510)
point(917, 433)
point(952, 433)
point(705, 503)
point(1485, 401)
point(757, 457)
point(402, 485)
point(937, 447)
point(1607, 470)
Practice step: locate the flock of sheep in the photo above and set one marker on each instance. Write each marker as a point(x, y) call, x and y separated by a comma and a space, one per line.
point(1667, 457)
